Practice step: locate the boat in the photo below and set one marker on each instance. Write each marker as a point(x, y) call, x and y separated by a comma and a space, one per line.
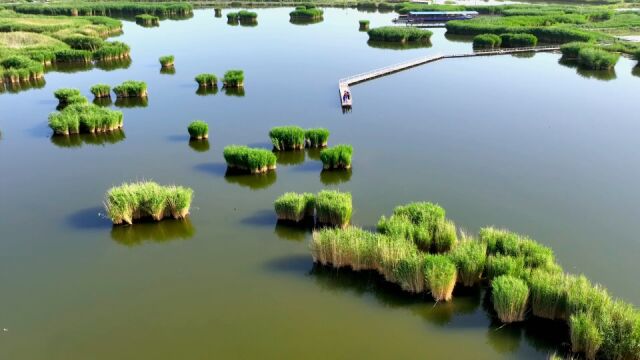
point(419, 17)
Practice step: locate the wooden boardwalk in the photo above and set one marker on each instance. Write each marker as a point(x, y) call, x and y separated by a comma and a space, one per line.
point(345, 83)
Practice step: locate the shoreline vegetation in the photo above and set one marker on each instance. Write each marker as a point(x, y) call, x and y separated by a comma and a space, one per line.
point(421, 251)
point(130, 202)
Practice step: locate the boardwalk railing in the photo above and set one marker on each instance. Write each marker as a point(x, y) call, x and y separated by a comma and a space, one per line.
point(344, 83)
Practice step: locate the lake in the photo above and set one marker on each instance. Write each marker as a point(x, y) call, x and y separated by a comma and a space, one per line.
point(521, 142)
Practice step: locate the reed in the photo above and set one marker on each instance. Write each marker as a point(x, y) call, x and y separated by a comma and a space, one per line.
point(486, 41)
point(504, 242)
point(111, 51)
point(287, 138)
point(586, 337)
point(233, 79)
point(294, 207)
point(198, 130)
point(570, 50)
point(470, 257)
point(499, 265)
point(440, 276)
point(101, 91)
point(67, 96)
point(147, 20)
point(597, 59)
point(218, 12)
point(409, 273)
point(334, 208)
point(510, 296)
point(206, 80)
point(248, 159)
point(131, 88)
point(364, 25)
point(518, 40)
point(115, 8)
point(317, 137)
point(306, 13)
point(73, 56)
point(445, 236)
point(82, 42)
point(548, 295)
point(337, 157)
point(399, 34)
point(133, 201)
point(167, 61)
point(15, 69)
point(84, 118)
point(247, 17)
point(351, 246)
point(233, 18)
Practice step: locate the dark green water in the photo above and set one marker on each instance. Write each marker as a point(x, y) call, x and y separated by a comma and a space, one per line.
point(517, 142)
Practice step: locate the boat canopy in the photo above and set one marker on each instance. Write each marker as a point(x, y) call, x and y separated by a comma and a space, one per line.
point(443, 12)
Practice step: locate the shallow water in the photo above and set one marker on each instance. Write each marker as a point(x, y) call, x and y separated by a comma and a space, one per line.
point(519, 142)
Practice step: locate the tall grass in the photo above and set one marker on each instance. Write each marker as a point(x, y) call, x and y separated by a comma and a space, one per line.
point(287, 138)
point(334, 208)
point(101, 91)
point(133, 201)
point(486, 41)
point(16, 68)
point(548, 294)
point(116, 8)
point(586, 337)
point(206, 80)
point(249, 159)
point(167, 61)
point(518, 40)
point(306, 13)
point(469, 257)
point(440, 276)
point(131, 88)
point(597, 59)
point(317, 137)
point(198, 130)
point(67, 96)
point(399, 34)
point(84, 118)
point(294, 207)
point(337, 157)
point(510, 296)
point(247, 17)
point(147, 20)
point(364, 25)
point(112, 51)
point(233, 79)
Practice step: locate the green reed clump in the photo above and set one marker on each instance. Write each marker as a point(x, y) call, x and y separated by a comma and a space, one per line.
point(317, 137)
point(218, 12)
point(409, 273)
point(114, 50)
point(249, 159)
point(167, 61)
point(233, 79)
point(73, 56)
point(131, 88)
point(247, 16)
point(66, 96)
point(597, 59)
point(570, 50)
point(586, 337)
point(364, 25)
point(334, 208)
point(583, 296)
point(549, 294)
point(206, 80)
point(307, 13)
point(294, 207)
point(620, 325)
point(399, 34)
point(337, 157)
point(440, 276)
point(351, 246)
point(147, 20)
point(16, 68)
point(509, 243)
point(198, 130)
point(486, 41)
point(469, 257)
point(445, 236)
point(518, 40)
point(287, 138)
point(82, 42)
point(233, 17)
point(101, 91)
point(84, 118)
point(132, 201)
point(498, 265)
point(510, 296)
point(115, 8)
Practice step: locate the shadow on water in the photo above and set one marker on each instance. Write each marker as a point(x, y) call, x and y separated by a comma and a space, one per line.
point(88, 219)
point(132, 102)
point(334, 177)
point(252, 181)
point(204, 91)
point(239, 92)
point(459, 38)
point(110, 65)
point(287, 230)
point(290, 157)
point(260, 218)
point(253, 23)
point(199, 145)
point(103, 101)
point(314, 153)
point(159, 232)
point(524, 55)
point(304, 22)
point(168, 70)
point(69, 68)
point(14, 88)
point(604, 75)
point(398, 46)
point(218, 169)
point(295, 264)
point(636, 71)
point(98, 139)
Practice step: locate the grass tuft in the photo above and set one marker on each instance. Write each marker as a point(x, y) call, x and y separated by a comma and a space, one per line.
point(510, 296)
point(337, 157)
point(198, 130)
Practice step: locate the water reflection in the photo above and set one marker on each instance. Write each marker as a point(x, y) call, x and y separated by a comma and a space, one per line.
point(305, 22)
point(103, 101)
point(234, 91)
point(458, 38)
point(334, 177)
point(636, 71)
point(110, 65)
point(290, 157)
point(14, 88)
point(199, 145)
point(69, 68)
point(252, 181)
point(77, 140)
point(204, 91)
point(604, 75)
point(524, 55)
point(171, 70)
point(287, 230)
point(132, 102)
point(398, 46)
point(251, 23)
point(161, 231)
point(314, 153)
